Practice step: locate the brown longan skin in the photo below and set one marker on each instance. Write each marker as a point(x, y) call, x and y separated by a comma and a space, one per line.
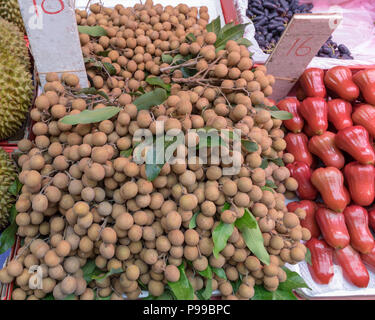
point(94, 203)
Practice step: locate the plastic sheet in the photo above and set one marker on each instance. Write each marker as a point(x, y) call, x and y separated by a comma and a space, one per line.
point(357, 31)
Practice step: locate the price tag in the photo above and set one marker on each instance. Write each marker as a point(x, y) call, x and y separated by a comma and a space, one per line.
point(301, 41)
point(53, 34)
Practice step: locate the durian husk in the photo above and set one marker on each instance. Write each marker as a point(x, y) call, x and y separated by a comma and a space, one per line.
point(16, 92)
point(8, 174)
point(13, 42)
point(10, 11)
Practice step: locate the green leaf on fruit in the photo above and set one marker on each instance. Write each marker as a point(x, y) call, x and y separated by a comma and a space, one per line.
point(281, 115)
point(250, 146)
point(220, 236)
point(246, 221)
point(167, 58)
point(254, 239)
point(219, 272)
point(15, 187)
point(234, 33)
point(193, 221)
point(94, 31)
point(91, 116)
point(205, 293)
point(264, 163)
point(308, 256)
point(285, 289)
point(110, 68)
point(182, 289)
point(214, 26)
point(271, 184)
point(150, 99)
point(108, 274)
point(126, 153)
point(191, 37)
point(207, 273)
point(156, 81)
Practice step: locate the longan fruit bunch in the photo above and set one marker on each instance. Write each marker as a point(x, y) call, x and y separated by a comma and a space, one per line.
point(81, 201)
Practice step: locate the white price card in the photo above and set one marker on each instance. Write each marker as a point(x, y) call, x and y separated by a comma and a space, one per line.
point(54, 40)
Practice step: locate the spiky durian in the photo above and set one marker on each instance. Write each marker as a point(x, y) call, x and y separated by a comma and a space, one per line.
point(10, 10)
point(13, 42)
point(8, 174)
point(16, 89)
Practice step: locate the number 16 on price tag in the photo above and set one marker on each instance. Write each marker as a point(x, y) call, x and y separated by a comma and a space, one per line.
point(53, 34)
point(301, 41)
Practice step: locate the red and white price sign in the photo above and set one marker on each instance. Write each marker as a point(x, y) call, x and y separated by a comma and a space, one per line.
point(53, 34)
point(301, 41)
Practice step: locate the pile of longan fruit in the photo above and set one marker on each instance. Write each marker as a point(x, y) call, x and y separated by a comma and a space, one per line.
point(82, 201)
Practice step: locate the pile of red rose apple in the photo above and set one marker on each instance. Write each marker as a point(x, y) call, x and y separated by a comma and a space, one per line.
point(331, 137)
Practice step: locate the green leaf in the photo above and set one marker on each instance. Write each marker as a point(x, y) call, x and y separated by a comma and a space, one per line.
point(156, 81)
point(271, 184)
point(234, 33)
point(91, 116)
point(108, 274)
point(49, 297)
point(208, 141)
point(193, 221)
point(206, 293)
point(245, 42)
point(236, 284)
point(187, 72)
point(88, 270)
point(206, 273)
point(278, 161)
point(152, 168)
point(273, 108)
point(103, 53)
point(308, 256)
point(214, 26)
point(70, 297)
point(167, 295)
point(220, 236)
point(225, 28)
point(15, 187)
point(8, 237)
point(285, 289)
point(110, 68)
point(250, 146)
point(12, 214)
point(93, 91)
point(264, 163)
point(219, 272)
point(246, 221)
point(254, 240)
point(167, 58)
point(182, 289)
point(150, 99)
point(282, 115)
point(94, 31)
point(191, 37)
point(178, 59)
point(102, 298)
point(126, 153)
point(226, 206)
point(267, 188)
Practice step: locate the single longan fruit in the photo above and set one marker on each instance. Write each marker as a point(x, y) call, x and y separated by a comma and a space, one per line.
point(51, 259)
point(71, 264)
point(69, 285)
point(14, 268)
point(108, 235)
point(63, 248)
point(132, 272)
point(172, 273)
point(81, 209)
point(290, 220)
point(188, 202)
